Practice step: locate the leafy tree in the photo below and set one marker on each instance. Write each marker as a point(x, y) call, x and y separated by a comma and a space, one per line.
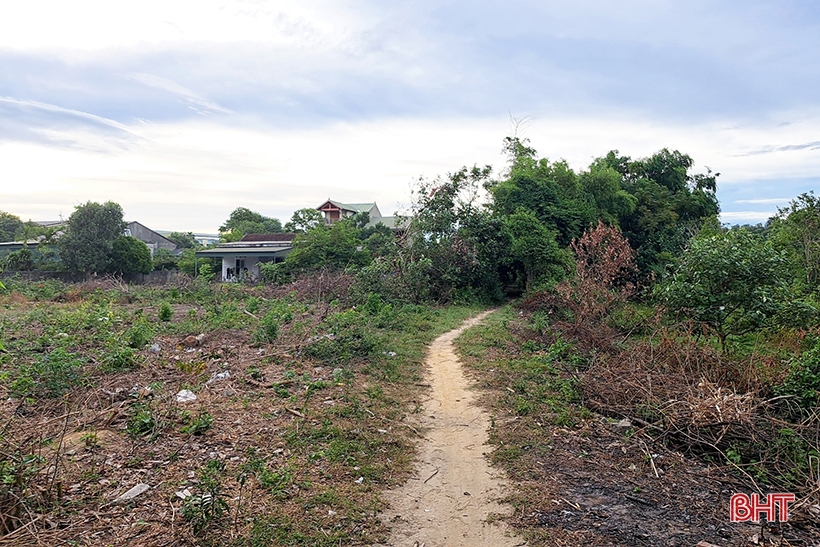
point(552, 191)
point(731, 281)
point(670, 204)
point(463, 241)
point(535, 256)
point(10, 225)
point(304, 220)
point(244, 221)
point(184, 240)
point(129, 255)
point(336, 247)
point(796, 231)
point(88, 242)
point(187, 262)
point(22, 260)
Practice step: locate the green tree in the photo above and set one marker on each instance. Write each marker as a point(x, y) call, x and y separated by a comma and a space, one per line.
point(90, 233)
point(244, 221)
point(551, 190)
point(304, 220)
point(336, 246)
point(535, 257)
point(796, 231)
point(129, 255)
point(731, 281)
point(464, 243)
point(10, 225)
point(184, 240)
point(22, 260)
point(670, 204)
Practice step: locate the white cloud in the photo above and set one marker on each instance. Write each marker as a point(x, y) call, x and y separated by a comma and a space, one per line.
point(764, 200)
point(201, 104)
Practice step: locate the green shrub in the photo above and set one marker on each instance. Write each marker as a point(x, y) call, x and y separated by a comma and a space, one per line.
point(139, 334)
point(118, 358)
point(165, 312)
point(52, 376)
point(803, 381)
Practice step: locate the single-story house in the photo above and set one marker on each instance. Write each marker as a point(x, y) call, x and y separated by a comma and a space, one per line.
point(241, 259)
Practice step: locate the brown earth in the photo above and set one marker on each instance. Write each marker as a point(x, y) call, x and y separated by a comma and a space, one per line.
point(454, 491)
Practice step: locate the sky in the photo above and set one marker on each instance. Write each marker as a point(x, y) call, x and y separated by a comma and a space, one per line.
point(182, 111)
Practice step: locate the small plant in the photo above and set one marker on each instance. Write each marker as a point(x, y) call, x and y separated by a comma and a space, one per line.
point(202, 509)
point(165, 312)
point(118, 359)
point(252, 304)
point(142, 423)
point(139, 334)
point(199, 425)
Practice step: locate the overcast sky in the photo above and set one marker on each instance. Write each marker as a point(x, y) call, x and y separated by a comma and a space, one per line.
point(182, 111)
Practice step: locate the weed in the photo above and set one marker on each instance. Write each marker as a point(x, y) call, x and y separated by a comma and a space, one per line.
point(208, 506)
point(118, 358)
point(143, 423)
point(139, 334)
point(52, 376)
point(199, 425)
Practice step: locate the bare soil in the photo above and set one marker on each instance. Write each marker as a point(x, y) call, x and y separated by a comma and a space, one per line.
point(454, 491)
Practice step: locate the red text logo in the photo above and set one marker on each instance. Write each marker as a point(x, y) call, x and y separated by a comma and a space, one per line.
point(743, 508)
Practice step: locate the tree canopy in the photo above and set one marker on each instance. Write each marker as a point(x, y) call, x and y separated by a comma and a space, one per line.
point(10, 226)
point(88, 242)
point(129, 255)
point(244, 221)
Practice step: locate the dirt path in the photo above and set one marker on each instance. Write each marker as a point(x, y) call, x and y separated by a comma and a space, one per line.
point(453, 491)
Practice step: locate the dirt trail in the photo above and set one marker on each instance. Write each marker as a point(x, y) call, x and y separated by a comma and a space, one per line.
point(453, 491)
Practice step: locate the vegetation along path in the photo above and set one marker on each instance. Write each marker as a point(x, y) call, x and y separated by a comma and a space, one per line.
point(454, 491)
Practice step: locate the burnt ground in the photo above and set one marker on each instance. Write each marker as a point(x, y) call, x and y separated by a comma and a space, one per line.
point(578, 478)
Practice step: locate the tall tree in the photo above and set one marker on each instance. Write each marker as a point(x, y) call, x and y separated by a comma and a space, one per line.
point(89, 239)
point(551, 190)
point(244, 221)
point(184, 240)
point(670, 204)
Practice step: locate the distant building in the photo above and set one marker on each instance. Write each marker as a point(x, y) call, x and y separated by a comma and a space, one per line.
point(334, 211)
point(154, 240)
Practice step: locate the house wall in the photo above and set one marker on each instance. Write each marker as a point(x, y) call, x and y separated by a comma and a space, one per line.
point(230, 263)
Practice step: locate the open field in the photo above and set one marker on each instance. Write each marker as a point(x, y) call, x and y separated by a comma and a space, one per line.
point(298, 421)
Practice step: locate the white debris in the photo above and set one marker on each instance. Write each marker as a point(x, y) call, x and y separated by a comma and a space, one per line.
point(219, 376)
point(359, 480)
point(154, 348)
point(183, 494)
point(132, 493)
point(186, 396)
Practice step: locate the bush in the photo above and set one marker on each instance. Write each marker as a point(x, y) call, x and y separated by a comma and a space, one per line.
point(803, 381)
point(139, 334)
point(165, 312)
